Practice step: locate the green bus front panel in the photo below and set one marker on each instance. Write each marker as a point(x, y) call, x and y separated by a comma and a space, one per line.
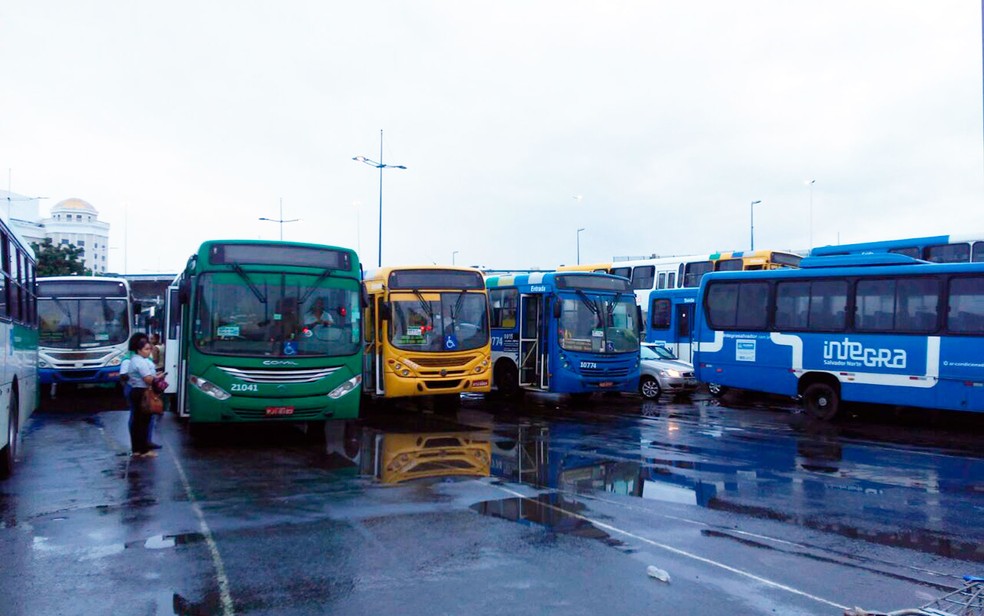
point(265, 389)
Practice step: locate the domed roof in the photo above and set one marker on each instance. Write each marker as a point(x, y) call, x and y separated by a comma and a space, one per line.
point(74, 205)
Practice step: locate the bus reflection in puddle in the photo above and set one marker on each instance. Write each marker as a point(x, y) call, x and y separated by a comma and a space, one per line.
point(396, 455)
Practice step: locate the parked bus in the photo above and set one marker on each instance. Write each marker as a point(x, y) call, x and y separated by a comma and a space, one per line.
point(669, 321)
point(600, 268)
point(84, 325)
point(572, 333)
point(268, 331)
point(18, 343)
point(882, 329)
point(685, 272)
point(427, 332)
point(936, 249)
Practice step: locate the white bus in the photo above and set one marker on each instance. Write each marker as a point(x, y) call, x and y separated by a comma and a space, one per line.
point(18, 343)
point(84, 325)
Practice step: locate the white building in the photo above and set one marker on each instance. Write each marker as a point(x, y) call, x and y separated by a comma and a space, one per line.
point(72, 221)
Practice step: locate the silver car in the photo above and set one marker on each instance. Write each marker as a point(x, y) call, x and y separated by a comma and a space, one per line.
point(663, 373)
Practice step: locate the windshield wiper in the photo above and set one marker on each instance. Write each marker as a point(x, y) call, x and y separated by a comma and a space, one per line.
point(252, 287)
point(425, 305)
point(314, 286)
point(587, 301)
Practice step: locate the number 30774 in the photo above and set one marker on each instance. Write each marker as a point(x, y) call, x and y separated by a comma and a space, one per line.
point(245, 387)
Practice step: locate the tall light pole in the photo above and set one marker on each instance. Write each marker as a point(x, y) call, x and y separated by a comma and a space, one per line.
point(811, 183)
point(579, 245)
point(752, 209)
point(281, 219)
point(452, 256)
point(379, 165)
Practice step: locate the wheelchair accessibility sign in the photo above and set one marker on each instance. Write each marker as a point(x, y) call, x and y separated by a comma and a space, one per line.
point(450, 343)
point(290, 347)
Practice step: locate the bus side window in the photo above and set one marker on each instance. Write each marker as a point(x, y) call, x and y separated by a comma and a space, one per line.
point(966, 305)
point(661, 314)
point(978, 254)
point(4, 269)
point(671, 280)
point(642, 277)
point(662, 281)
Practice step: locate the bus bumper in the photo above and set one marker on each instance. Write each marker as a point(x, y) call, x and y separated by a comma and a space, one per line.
point(109, 374)
point(570, 383)
point(238, 408)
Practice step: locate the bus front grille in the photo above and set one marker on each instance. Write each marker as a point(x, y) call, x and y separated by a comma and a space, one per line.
point(441, 362)
point(606, 371)
point(278, 376)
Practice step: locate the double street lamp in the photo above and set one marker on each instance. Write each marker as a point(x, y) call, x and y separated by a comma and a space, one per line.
point(752, 208)
point(280, 220)
point(379, 165)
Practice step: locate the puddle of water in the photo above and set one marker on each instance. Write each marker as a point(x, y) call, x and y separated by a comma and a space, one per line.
point(551, 511)
point(163, 542)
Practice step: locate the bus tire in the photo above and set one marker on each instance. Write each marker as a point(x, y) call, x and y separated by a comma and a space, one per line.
point(821, 401)
point(649, 388)
point(506, 379)
point(9, 453)
point(716, 390)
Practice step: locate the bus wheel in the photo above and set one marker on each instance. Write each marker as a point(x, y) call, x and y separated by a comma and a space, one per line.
point(649, 388)
point(821, 401)
point(10, 451)
point(716, 390)
point(506, 379)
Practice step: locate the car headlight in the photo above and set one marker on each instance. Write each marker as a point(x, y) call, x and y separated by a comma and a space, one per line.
point(675, 374)
point(209, 388)
point(349, 385)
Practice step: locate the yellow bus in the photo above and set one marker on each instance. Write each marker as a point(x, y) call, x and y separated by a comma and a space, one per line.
point(402, 457)
point(603, 268)
point(755, 260)
point(426, 332)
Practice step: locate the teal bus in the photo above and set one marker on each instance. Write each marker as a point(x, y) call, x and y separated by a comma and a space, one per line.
point(18, 343)
point(268, 331)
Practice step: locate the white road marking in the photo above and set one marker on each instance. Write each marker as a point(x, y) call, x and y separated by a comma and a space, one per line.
point(680, 552)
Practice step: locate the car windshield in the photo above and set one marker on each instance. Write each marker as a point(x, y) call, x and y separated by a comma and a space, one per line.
point(656, 352)
point(270, 314)
point(82, 323)
point(598, 323)
point(446, 321)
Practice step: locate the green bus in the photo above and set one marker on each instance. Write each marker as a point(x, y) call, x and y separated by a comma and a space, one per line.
point(266, 331)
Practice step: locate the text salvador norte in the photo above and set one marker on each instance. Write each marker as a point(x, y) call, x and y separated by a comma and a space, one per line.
point(855, 352)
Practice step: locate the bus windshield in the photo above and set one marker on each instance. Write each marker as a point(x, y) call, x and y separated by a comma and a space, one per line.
point(446, 321)
point(82, 323)
point(600, 324)
point(272, 314)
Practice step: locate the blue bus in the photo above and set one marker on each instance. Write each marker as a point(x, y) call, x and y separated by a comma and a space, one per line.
point(568, 333)
point(883, 329)
point(935, 249)
point(670, 320)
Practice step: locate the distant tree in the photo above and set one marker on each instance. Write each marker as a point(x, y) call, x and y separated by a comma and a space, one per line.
point(61, 260)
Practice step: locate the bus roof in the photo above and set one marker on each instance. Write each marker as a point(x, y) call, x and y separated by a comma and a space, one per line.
point(383, 273)
point(899, 268)
point(276, 255)
point(555, 280)
point(883, 246)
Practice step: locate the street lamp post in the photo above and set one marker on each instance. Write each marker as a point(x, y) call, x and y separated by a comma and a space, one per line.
point(379, 165)
point(752, 208)
point(452, 256)
point(281, 219)
point(579, 245)
point(811, 183)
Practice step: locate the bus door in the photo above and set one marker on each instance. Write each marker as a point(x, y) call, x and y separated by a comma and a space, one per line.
point(372, 358)
point(530, 337)
point(684, 331)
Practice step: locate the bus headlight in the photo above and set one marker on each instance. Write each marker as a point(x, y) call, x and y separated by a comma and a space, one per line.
point(42, 363)
point(346, 387)
point(209, 388)
point(116, 361)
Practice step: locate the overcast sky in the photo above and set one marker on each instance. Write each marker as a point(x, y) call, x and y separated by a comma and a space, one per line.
point(652, 125)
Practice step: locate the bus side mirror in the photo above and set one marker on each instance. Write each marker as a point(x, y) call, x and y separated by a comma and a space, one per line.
point(184, 291)
point(642, 324)
point(385, 311)
point(137, 308)
point(364, 297)
point(558, 307)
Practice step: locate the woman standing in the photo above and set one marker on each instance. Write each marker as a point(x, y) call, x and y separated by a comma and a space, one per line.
point(141, 376)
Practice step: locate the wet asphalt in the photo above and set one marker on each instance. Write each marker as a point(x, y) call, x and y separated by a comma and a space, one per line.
point(748, 506)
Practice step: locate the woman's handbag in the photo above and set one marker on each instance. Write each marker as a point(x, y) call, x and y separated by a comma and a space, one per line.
point(152, 403)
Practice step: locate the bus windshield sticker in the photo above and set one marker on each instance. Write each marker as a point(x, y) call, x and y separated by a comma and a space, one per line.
point(277, 316)
point(745, 350)
point(414, 332)
point(450, 342)
point(290, 347)
point(227, 331)
point(598, 333)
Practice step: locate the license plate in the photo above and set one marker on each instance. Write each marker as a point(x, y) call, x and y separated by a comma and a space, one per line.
point(279, 411)
point(480, 383)
point(606, 384)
